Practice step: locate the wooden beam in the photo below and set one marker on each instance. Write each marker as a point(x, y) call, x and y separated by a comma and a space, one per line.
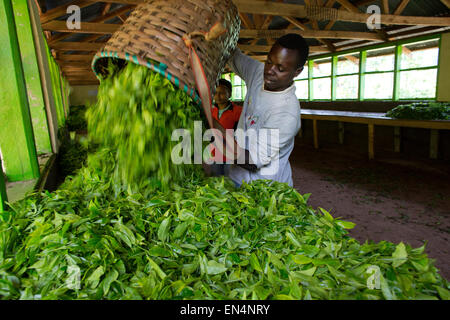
point(295, 22)
point(402, 5)
point(446, 2)
point(106, 8)
point(312, 34)
point(133, 2)
point(246, 20)
point(75, 58)
point(99, 19)
point(77, 46)
point(86, 27)
point(348, 5)
point(301, 11)
point(62, 10)
point(386, 7)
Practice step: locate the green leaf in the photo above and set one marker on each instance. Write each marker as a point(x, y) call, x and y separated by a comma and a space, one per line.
point(345, 224)
point(163, 230)
point(255, 263)
point(309, 272)
point(109, 278)
point(443, 293)
point(400, 255)
point(301, 259)
point(94, 278)
point(327, 215)
point(157, 269)
point(214, 268)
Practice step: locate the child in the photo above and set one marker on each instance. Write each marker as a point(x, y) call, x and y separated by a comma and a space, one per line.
point(227, 114)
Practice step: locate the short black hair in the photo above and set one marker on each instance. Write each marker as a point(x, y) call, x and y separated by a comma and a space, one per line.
point(296, 42)
point(225, 83)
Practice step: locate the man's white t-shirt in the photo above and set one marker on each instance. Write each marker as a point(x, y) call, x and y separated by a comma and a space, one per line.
point(265, 110)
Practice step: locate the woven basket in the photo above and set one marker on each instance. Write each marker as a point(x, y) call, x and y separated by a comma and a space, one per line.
point(152, 37)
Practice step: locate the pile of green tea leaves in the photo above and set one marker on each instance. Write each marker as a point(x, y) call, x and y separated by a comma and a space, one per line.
point(421, 111)
point(101, 237)
point(203, 239)
point(72, 155)
point(136, 112)
point(76, 120)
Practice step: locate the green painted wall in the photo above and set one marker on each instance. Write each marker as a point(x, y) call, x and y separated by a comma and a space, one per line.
point(32, 77)
point(16, 132)
point(56, 88)
point(443, 88)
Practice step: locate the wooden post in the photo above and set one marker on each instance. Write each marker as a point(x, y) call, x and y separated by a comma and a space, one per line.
point(16, 131)
point(397, 139)
point(32, 77)
point(3, 196)
point(434, 143)
point(316, 137)
point(341, 132)
point(44, 69)
point(371, 141)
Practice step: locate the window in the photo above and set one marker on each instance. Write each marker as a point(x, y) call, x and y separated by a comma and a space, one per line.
point(418, 70)
point(302, 84)
point(239, 89)
point(379, 74)
point(321, 79)
point(347, 76)
point(407, 70)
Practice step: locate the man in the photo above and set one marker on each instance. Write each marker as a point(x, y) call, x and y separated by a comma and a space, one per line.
point(227, 114)
point(270, 103)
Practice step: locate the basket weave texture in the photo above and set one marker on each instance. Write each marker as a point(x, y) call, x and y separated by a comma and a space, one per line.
point(152, 36)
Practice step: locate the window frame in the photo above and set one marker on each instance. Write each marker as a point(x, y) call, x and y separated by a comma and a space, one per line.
point(398, 49)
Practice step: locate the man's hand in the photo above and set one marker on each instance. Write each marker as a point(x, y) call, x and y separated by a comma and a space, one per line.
point(240, 157)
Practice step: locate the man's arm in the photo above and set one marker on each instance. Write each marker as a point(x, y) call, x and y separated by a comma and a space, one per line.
point(241, 156)
point(242, 65)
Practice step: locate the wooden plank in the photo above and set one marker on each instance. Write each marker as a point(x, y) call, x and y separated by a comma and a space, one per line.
point(425, 124)
point(133, 2)
point(77, 46)
point(266, 49)
point(402, 5)
point(75, 58)
point(348, 5)
point(62, 10)
point(246, 21)
point(301, 11)
point(99, 19)
point(434, 143)
point(312, 34)
point(86, 27)
point(296, 23)
point(446, 2)
point(316, 134)
point(386, 6)
point(371, 141)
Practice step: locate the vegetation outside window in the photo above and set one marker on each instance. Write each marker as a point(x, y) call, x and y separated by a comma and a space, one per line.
point(347, 76)
point(418, 69)
point(321, 79)
point(379, 73)
point(302, 84)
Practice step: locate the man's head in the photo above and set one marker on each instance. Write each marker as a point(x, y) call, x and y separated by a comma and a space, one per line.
point(285, 61)
point(223, 92)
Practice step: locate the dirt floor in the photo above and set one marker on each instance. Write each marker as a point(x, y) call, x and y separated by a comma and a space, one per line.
point(393, 199)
